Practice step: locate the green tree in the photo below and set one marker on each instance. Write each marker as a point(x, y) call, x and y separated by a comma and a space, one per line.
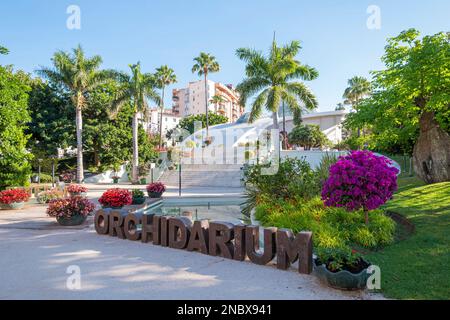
point(308, 136)
point(78, 75)
point(3, 50)
point(164, 76)
point(136, 88)
point(358, 89)
point(272, 79)
point(15, 168)
point(205, 64)
point(340, 107)
point(411, 101)
point(188, 123)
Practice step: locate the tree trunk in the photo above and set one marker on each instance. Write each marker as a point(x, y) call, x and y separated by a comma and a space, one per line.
point(161, 119)
point(432, 151)
point(284, 129)
point(275, 120)
point(79, 129)
point(206, 101)
point(135, 161)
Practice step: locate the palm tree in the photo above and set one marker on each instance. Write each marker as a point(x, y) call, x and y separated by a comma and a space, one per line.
point(340, 106)
point(358, 88)
point(4, 50)
point(137, 88)
point(164, 77)
point(272, 78)
point(78, 75)
point(217, 101)
point(205, 63)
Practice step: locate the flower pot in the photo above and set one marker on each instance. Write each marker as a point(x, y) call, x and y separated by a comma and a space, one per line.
point(12, 206)
point(143, 181)
point(74, 220)
point(138, 201)
point(154, 195)
point(116, 180)
point(342, 280)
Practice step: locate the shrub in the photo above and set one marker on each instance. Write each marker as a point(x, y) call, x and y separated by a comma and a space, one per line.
point(76, 188)
point(137, 194)
point(47, 196)
point(116, 198)
point(156, 187)
point(69, 207)
point(360, 180)
point(45, 178)
point(13, 196)
point(332, 227)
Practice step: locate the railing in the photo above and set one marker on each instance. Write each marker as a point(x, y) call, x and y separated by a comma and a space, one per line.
point(159, 170)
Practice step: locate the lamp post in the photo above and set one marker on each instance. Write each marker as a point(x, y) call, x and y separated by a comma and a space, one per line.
point(53, 170)
point(39, 170)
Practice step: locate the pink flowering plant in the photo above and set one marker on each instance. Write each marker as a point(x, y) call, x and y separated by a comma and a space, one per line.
point(76, 188)
point(360, 180)
point(69, 207)
point(156, 187)
point(116, 198)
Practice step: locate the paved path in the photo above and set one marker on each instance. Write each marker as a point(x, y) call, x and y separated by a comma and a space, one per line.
point(36, 252)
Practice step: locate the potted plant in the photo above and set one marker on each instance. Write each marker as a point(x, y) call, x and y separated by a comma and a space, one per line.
point(77, 190)
point(116, 198)
point(156, 189)
point(46, 196)
point(341, 268)
point(138, 197)
point(116, 179)
point(13, 199)
point(70, 211)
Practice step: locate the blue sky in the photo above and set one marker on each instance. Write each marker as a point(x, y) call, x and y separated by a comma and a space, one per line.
point(334, 34)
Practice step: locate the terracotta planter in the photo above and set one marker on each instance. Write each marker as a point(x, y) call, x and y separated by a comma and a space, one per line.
point(75, 220)
point(12, 206)
point(155, 195)
point(342, 280)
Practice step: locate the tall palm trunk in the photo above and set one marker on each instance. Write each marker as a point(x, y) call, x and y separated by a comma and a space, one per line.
point(275, 120)
point(79, 129)
point(206, 104)
point(161, 119)
point(135, 161)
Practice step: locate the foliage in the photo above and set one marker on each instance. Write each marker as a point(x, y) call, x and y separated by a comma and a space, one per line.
point(416, 79)
point(308, 136)
point(417, 267)
point(358, 88)
point(337, 259)
point(332, 227)
point(271, 79)
point(116, 198)
point(156, 187)
point(188, 123)
point(45, 178)
point(15, 168)
point(47, 196)
point(76, 188)
point(164, 76)
point(322, 171)
point(13, 196)
point(4, 50)
point(70, 207)
point(360, 180)
point(137, 194)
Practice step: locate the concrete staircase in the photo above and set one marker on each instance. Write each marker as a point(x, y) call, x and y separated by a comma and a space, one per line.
point(194, 175)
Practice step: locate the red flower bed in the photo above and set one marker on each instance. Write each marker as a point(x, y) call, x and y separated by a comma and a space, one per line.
point(76, 188)
point(69, 207)
point(116, 198)
point(156, 187)
point(14, 196)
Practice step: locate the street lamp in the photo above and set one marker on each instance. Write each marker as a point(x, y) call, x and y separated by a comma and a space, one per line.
point(53, 170)
point(39, 170)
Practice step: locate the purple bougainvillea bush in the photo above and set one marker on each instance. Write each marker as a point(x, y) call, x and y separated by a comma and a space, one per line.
point(360, 180)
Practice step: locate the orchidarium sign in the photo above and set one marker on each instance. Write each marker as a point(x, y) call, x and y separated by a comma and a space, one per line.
point(213, 238)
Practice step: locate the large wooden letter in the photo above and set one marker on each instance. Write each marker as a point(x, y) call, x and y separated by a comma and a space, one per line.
point(220, 236)
point(179, 232)
point(130, 226)
point(290, 248)
point(252, 236)
point(239, 242)
point(164, 231)
point(150, 228)
point(116, 224)
point(199, 240)
point(101, 222)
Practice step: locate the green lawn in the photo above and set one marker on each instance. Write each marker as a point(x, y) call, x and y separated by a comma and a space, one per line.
point(418, 267)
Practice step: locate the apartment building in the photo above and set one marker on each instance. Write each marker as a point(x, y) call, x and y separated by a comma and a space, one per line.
point(191, 100)
point(169, 121)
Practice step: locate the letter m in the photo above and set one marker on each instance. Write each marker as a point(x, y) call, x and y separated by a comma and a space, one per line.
point(290, 248)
